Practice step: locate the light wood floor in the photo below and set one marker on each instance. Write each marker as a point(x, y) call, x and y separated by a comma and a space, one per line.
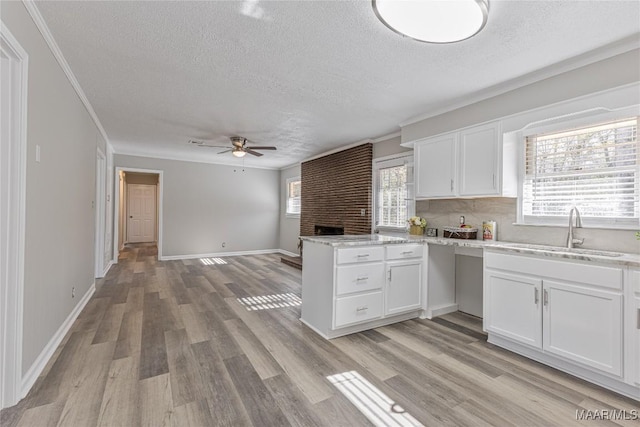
point(169, 343)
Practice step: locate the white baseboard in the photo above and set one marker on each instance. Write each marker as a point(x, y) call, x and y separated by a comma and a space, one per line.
point(283, 252)
point(43, 358)
point(218, 254)
point(106, 269)
point(439, 311)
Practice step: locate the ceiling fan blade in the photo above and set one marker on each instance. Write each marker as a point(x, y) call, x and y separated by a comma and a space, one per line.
point(263, 147)
point(225, 151)
point(213, 146)
point(255, 153)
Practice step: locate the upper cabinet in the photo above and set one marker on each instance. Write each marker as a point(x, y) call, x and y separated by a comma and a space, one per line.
point(435, 166)
point(465, 163)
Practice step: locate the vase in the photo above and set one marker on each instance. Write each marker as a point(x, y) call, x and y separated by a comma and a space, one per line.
point(416, 230)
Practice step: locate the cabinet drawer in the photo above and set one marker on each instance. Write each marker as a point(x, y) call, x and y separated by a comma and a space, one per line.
point(358, 308)
point(404, 251)
point(356, 278)
point(363, 254)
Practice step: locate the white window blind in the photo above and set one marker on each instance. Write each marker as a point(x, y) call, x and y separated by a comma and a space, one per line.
point(294, 191)
point(394, 195)
point(594, 168)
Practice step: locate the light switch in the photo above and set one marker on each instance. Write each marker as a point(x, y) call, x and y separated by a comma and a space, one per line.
point(363, 212)
point(37, 153)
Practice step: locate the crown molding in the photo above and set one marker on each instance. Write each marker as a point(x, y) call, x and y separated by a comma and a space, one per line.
point(337, 150)
point(57, 53)
point(161, 156)
point(387, 137)
point(617, 48)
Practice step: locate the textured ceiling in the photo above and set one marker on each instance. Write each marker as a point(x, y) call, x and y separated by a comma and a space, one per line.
point(306, 76)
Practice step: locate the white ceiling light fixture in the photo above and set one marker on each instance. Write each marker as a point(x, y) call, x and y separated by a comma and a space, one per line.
point(238, 152)
point(433, 21)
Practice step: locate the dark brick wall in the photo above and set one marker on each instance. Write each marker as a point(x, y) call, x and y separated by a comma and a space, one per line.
point(334, 190)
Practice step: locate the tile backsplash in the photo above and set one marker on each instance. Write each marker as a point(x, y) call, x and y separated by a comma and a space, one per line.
point(446, 212)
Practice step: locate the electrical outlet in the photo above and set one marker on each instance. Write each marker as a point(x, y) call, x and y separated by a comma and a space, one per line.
point(73, 292)
point(363, 212)
point(224, 244)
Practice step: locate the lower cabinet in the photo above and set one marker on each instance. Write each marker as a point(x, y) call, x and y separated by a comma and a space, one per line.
point(512, 308)
point(354, 288)
point(565, 309)
point(583, 325)
point(404, 286)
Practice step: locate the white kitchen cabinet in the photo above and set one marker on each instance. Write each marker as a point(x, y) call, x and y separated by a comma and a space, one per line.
point(566, 309)
point(583, 324)
point(632, 326)
point(479, 170)
point(512, 307)
point(471, 162)
point(403, 291)
point(435, 166)
point(347, 289)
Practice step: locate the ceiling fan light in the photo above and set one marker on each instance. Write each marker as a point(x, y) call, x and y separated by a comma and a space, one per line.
point(238, 152)
point(433, 21)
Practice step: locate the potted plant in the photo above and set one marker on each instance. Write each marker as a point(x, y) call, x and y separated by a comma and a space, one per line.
point(417, 225)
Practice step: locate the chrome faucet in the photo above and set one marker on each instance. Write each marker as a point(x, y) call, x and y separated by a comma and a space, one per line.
point(571, 242)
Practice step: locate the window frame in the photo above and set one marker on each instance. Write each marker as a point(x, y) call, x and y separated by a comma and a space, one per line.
point(387, 162)
point(584, 119)
point(287, 197)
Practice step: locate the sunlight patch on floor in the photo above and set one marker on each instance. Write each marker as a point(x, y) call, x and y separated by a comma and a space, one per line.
point(267, 302)
point(213, 261)
point(373, 403)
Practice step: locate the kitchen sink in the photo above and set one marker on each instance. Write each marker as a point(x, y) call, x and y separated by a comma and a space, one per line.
point(580, 251)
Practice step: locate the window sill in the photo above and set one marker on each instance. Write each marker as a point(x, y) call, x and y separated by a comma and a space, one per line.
point(292, 216)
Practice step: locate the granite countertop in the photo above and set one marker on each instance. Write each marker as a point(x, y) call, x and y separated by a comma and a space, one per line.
point(549, 251)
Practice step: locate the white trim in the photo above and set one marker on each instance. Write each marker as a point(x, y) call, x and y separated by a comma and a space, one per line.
point(107, 268)
point(220, 254)
point(600, 54)
point(134, 153)
point(337, 150)
point(387, 137)
point(288, 181)
point(11, 306)
point(100, 213)
point(43, 358)
point(395, 160)
point(57, 53)
point(116, 208)
point(284, 252)
point(291, 166)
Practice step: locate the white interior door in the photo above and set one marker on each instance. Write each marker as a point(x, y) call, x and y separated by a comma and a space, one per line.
point(141, 218)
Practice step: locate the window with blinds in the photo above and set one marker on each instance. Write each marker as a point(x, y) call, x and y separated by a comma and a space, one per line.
point(594, 168)
point(394, 196)
point(294, 200)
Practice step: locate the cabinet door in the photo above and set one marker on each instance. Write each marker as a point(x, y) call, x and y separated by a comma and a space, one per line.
point(583, 325)
point(513, 307)
point(435, 169)
point(479, 160)
point(404, 285)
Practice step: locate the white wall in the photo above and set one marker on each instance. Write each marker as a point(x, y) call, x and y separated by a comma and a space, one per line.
point(289, 226)
point(59, 240)
point(205, 205)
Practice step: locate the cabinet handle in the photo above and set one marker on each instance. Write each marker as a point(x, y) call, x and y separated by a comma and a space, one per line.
point(407, 252)
point(390, 275)
point(638, 318)
point(537, 298)
point(452, 185)
point(359, 279)
point(493, 181)
point(546, 297)
point(363, 308)
point(363, 255)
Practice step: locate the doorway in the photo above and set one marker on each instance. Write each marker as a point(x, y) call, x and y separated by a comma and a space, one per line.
point(138, 205)
point(141, 213)
point(13, 151)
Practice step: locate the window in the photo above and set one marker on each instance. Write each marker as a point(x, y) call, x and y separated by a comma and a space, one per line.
point(594, 168)
point(393, 181)
point(294, 202)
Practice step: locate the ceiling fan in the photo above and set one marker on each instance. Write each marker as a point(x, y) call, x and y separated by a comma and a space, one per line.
point(238, 147)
